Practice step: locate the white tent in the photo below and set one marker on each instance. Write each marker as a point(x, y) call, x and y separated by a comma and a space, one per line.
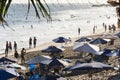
point(89, 48)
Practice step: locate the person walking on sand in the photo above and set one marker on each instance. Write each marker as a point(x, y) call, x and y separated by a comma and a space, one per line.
point(30, 42)
point(15, 46)
point(34, 42)
point(6, 49)
point(23, 52)
point(78, 31)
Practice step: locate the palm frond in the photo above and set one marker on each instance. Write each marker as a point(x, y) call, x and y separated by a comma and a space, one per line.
point(35, 7)
point(46, 14)
point(6, 7)
point(28, 8)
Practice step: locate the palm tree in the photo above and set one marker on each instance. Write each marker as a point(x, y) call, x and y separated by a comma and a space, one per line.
point(39, 7)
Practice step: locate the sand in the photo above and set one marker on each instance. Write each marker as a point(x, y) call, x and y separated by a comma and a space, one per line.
point(77, 56)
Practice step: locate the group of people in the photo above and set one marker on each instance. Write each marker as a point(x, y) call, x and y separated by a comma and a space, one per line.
point(32, 41)
point(23, 51)
point(111, 28)
point(9, 47)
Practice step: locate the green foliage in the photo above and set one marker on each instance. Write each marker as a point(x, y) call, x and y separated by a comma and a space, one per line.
point(4, 5)
point(39, 7)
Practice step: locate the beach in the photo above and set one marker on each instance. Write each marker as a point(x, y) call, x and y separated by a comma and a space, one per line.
point(66, 20)
point(77, 56)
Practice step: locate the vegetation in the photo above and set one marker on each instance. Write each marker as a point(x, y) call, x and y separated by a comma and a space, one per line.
point(41, 8)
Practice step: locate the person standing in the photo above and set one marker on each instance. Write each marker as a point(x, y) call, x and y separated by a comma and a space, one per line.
point(94, 30)
point(15, 46)
point(6, 49)
point(110, 28)
point(105, 26)
point(114, 28)
point(34, 42)
point(30, 42)
point(78, 31)
point(23, 52)
point(10, 45)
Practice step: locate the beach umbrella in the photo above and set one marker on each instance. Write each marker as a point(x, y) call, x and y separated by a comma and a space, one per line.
point(38, 59)
point(5, 59)
point(109, 36)
point(89, 48)
point(98, 41)
point(116, 53)
point(91, 65)
point(52, 49)
point(83, 39)
point(54, 62)
point(8, 73)
point(118, 34)
point(52, 77)
point(14, 65)
point(60, 40)
point(106, 51)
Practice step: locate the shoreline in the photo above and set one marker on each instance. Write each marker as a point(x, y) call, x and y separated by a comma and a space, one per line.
point(46, 44)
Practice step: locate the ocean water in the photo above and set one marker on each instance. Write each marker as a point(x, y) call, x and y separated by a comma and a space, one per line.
point(66, 20)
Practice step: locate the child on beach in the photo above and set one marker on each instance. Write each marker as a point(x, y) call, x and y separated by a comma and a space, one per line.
point(16, 55)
